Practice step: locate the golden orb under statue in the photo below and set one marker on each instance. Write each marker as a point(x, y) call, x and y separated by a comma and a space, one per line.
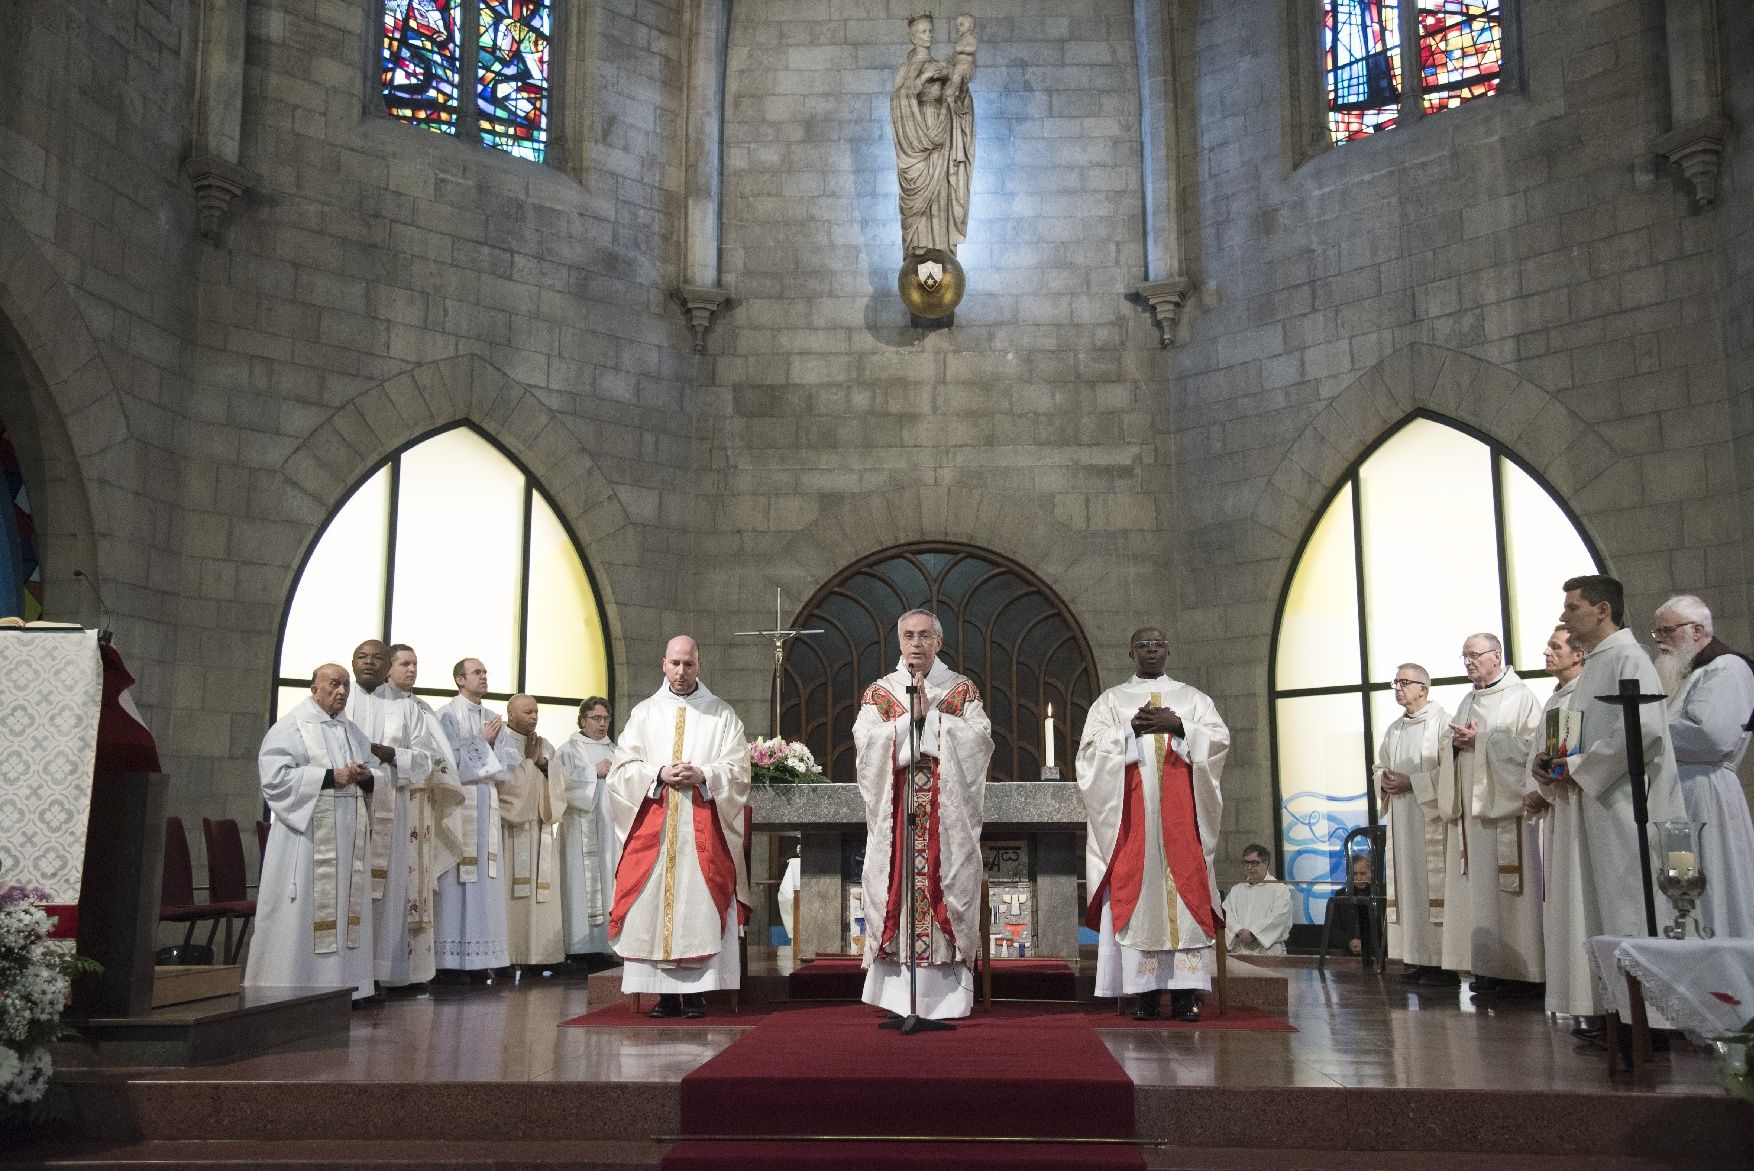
point(931, 283)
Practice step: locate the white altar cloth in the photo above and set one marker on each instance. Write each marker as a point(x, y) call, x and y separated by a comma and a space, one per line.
point(1704, 987)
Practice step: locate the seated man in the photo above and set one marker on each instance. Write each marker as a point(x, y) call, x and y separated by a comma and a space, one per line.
point(1351, 922)
point(1257, 911)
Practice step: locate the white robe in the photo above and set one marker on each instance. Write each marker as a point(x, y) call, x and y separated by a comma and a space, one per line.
point(1264, 908)
point(955, 748)
point(588, 849)
point(531, 802)
point(1418, 832)
point(1564, 863)
point(1161, 945)
point(410, 847)
point(1707, 725)
point(289, 948)
point(471, 906)
point(665, 924)
point(1500, 934)
point(1593, 826)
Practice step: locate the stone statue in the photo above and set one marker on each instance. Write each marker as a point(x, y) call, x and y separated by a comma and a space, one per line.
point(932, 114)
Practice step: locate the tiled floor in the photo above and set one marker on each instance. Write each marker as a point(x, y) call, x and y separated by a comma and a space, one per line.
point(1353, 1030)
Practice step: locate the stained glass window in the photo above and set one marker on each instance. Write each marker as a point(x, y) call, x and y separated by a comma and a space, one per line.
point(384, 565)
point(1435, 535)
point(425, 69)
point(1460, 46)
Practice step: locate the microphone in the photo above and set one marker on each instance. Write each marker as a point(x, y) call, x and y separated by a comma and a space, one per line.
point(103, 610)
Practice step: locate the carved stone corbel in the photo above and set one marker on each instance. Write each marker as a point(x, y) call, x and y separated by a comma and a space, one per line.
point(699, 306)
point(1698, 149)
point(1166, 298)
point(216, 183)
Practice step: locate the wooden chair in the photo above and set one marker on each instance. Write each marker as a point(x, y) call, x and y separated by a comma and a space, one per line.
point(225, 880)
point(177, 888)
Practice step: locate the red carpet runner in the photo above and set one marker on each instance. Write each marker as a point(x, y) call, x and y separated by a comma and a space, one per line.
point(831, 1071)
point(1048, 978)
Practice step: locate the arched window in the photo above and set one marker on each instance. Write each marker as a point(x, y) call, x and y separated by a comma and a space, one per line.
point(21, 576)
point(437, 52)
point(1375, 76)
point(451, 547)
point(1435, 534)
point(1003, 628)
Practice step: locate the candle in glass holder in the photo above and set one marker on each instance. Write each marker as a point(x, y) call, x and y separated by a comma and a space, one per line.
point(1682, 863)
point(1047, 735)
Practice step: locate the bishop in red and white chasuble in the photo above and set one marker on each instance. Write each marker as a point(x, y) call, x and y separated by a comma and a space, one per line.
point(947, 785)
point(1153, 806)
point(681, 891)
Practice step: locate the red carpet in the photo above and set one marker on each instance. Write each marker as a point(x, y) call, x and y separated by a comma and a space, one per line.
point(830, 1071)
point(1100, 1014)
point(1047, 978)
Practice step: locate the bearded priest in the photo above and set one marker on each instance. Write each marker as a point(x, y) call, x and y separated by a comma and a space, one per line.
point(678, 789)
point(1149, 762)
point(923, 737)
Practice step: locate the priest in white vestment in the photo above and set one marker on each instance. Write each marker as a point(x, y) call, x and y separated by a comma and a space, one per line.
point(410, 844)
point(531, 801)
point(471, 935)
point(1711, 696)
point(314, 907)
point(1257, 911)
point(928, 750)
point(587, 832)
point(1595, 776)
point(1149, 762)
point(679, 788)
point(1498, 937)
point(1416, 778)
point(1557, 814)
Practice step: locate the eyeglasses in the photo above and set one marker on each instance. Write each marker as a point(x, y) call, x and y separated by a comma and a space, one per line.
point(1400, 683)
point(1476, 656)
point(1666, 631)
point(1155, 644)
point(1254, 861)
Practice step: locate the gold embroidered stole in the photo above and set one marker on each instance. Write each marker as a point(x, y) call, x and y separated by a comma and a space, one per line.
point(674, 806)
point(325, 859)
point(384, 808)
point(469, 865)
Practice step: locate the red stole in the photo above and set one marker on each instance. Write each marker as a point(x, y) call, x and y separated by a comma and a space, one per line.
point(927, 882)
point(1181, 845)
point(644, 843)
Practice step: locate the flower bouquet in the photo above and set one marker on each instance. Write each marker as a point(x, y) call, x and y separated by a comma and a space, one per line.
point(34, 977)
point(783, 762)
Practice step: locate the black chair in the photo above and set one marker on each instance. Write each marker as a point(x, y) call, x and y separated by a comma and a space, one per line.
point(1372, 908)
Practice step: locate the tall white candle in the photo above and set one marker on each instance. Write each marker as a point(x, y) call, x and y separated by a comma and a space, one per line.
point(1683, 863)
point(1047, 735)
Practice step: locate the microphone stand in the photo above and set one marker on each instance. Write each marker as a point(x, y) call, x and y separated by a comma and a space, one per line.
point(913, 1022)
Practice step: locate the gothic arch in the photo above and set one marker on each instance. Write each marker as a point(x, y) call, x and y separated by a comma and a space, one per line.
point(333, 460)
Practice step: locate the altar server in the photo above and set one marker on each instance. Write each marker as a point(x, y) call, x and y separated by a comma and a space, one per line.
point(471, 935)
point(1149, 764)
point(587, 832)
point(1257, 911)
point(532, 799)
point(1415, 773)
point(679, 786)
point(314, 907)
point(922, 736)
point(1492, 901)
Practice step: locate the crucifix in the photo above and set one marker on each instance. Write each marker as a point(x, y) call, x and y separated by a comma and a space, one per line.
point(780, 638)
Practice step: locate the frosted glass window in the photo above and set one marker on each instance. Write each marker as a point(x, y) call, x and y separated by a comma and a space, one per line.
point(1318, 631)
point(1435, 504)
point(474, 562)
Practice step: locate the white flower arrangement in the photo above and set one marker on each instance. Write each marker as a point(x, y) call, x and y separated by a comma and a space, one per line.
point(783, 762)
point(35, 973)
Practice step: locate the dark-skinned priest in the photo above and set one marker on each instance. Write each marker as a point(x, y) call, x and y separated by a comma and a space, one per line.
point(930, 748)
point(678, 789)
point(1149, 763)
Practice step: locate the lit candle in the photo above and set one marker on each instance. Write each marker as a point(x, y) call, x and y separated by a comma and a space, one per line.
point(1682, 863)
point(1048, 735)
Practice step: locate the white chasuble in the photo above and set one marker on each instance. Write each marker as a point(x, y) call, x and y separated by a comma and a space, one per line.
point(1707, 724)
point(1154, 810)
point(588, 850)
point(1564, 864)
point(530, 804)
point(1593, 826)
point(1420, 824)
point(681, 887)
point(1264, 910)
point(410, 847)
point(946, 785)
point(1492, 902)
point(470, 906)
point(314, 907)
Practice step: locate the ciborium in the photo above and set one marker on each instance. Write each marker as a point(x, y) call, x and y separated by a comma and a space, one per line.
point(1680, 871)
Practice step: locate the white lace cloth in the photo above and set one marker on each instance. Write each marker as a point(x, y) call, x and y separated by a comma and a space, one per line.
point(1704, 987)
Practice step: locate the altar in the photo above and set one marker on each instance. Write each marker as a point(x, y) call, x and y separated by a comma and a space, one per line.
point(1033, 839)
